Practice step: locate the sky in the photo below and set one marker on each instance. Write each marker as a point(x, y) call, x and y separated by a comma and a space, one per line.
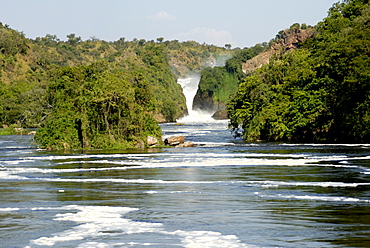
point(241, 23)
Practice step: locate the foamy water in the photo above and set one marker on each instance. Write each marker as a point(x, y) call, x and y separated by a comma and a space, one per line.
point(190, 86)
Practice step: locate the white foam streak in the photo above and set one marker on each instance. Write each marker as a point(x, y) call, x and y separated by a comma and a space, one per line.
point(343, 159)
point(9, 209)
point(96, 221)
point(100, 221)
point(310, 184)
point(87, 156)
point(316, 198)
point(319, 144)
point(265, 184)
point(10, 175)
point(208, 239)
point(16, 162)
point(128, 181)
point(168, 160)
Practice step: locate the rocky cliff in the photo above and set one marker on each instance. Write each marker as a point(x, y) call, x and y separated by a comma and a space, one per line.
point(205, 101)
point(290, 39)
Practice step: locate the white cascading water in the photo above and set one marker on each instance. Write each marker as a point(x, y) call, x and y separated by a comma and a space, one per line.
point(189, 87)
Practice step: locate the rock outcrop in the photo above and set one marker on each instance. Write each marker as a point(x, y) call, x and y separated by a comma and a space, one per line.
point(220, 115)
point(204, 101)
point(178, 141)
point(289, 41)
point(151, 141)
point(174, 140)
point(186, 144)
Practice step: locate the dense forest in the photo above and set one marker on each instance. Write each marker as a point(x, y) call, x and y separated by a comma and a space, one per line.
point(95, 94)
point(308, 84)
point(317, 93)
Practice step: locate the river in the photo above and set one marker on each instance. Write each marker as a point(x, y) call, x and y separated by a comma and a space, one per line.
point(221, 193)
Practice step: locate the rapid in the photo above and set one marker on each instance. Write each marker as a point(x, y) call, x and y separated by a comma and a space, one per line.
point(223, 192)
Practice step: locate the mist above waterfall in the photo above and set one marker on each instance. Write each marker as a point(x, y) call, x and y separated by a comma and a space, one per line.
point(189, 87)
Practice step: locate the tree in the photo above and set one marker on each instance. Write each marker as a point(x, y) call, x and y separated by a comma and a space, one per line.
point(142, 42)
point(52, 38)
point(295, 26)
point(73, 39)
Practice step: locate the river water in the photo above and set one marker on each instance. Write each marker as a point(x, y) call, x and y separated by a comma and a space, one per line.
point(221, 193)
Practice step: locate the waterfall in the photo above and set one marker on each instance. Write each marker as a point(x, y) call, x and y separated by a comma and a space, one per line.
point(189, 87)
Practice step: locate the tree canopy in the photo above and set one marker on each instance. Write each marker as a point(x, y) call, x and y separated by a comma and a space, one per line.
point(318, 93)
point(99, 106)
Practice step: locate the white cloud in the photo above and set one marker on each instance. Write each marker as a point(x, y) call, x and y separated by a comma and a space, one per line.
point(161, 16)
point(207, 35)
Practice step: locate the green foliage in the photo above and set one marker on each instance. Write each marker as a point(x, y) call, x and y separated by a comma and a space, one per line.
point(9, 130)
point(154, 67)
point(12, 42)
point(281, 101)
point(21, 99)
point(73, 39)
point(219, 83)
point(295, 26)
point(318, 93)
point(96, 107)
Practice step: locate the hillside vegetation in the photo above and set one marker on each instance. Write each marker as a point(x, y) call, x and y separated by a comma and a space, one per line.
point(317, 93)
point(59, 85)
point(218, 83)
point(97, 106)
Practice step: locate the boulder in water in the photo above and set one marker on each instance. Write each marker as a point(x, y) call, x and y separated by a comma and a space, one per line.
point(178, 141)
point(174, 140)
point(186, 144)
point(151, 141)
point(220, 115)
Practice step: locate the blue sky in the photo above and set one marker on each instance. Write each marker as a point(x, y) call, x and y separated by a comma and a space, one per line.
point(242, 23)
